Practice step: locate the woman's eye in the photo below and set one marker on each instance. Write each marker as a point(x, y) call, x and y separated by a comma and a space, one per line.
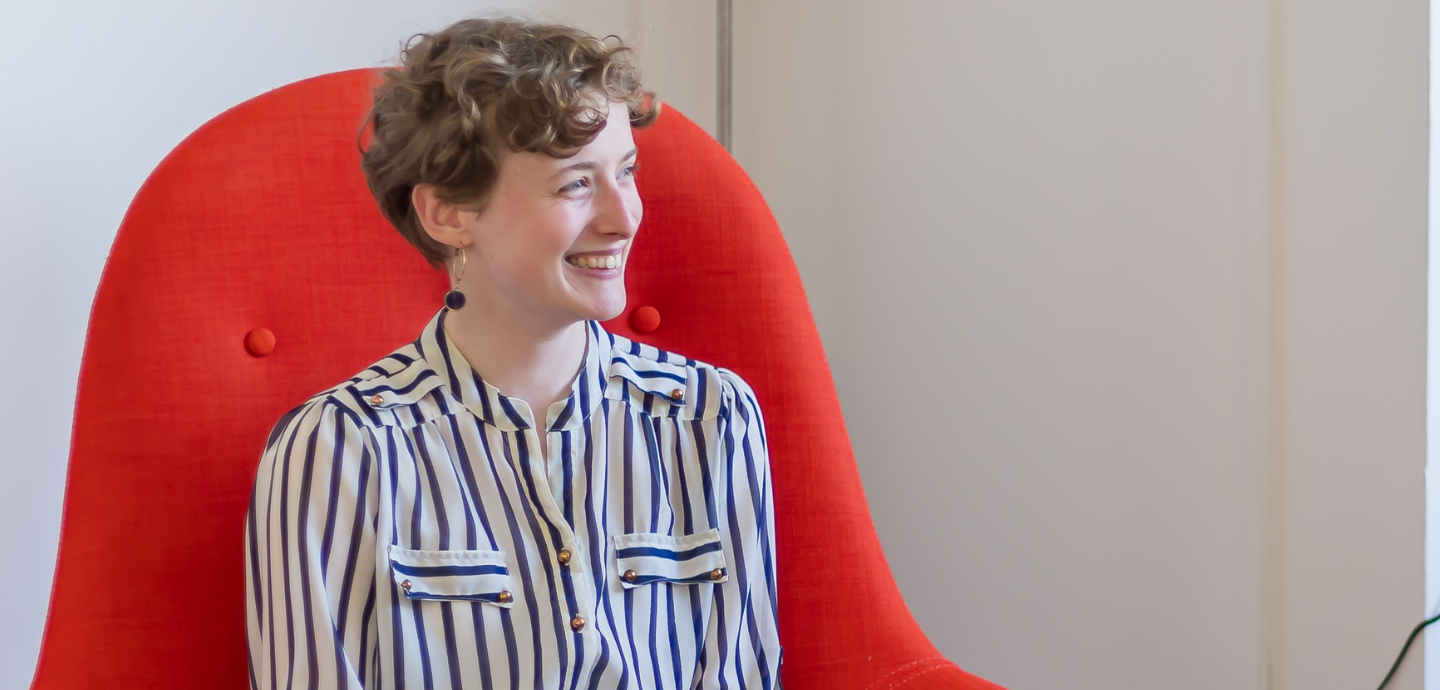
point(577, 185)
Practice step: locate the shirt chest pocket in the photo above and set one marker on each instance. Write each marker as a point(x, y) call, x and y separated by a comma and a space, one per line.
point(452, 575)
point(644, 558)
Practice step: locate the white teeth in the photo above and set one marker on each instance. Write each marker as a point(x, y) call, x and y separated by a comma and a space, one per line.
point(596, 261)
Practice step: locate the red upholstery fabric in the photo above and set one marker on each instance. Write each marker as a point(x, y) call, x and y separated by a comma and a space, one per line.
point(261, 219)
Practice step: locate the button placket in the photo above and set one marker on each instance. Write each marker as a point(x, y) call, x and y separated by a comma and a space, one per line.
point(572, 569)
point(572, 565)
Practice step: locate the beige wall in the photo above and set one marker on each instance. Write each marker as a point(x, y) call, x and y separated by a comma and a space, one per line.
point(1351, 157)
point(1125, 301)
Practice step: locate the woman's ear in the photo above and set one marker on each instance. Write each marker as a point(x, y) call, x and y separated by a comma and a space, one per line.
point(442, 220)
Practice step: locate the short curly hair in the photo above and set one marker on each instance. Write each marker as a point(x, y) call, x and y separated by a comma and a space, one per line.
point(460, 94)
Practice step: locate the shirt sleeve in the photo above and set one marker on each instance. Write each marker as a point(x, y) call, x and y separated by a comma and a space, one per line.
point(309, 552)
point(742, 644)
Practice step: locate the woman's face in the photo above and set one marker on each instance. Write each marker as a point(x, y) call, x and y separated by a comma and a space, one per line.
point(552, 243)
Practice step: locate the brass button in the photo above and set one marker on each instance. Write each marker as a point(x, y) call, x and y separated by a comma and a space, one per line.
point(677, 393)
point(577, 623)
point(717, 573)
point(405, 585)
point(505, 597)
point(563, 556)
point(630, 576)
point(376, 399)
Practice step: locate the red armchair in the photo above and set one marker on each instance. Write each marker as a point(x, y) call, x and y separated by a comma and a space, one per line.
point(255, 242)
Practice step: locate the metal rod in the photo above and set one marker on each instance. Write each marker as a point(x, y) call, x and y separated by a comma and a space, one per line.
point(724, 45)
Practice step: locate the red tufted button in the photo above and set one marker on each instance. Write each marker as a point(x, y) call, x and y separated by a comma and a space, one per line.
point(260, 342)
point(645, 319)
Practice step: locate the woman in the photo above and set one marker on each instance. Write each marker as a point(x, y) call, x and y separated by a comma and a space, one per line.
point(516, 499)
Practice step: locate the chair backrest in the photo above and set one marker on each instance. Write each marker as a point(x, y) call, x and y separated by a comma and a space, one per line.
point(261, 219)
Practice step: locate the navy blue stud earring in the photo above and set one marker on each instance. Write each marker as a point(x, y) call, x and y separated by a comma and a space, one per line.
point(455, 299)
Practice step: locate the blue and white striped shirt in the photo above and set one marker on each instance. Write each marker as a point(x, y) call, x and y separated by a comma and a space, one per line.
point(404, 533)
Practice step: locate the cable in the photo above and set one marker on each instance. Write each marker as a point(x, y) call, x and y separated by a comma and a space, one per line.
point(1406, 648)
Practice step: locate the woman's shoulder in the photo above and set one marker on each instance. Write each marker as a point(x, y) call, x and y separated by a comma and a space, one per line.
point(706, 390)
point(356, 398)
point(325, 432)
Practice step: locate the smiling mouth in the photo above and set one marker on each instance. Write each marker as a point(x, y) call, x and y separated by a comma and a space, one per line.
point(598, 261)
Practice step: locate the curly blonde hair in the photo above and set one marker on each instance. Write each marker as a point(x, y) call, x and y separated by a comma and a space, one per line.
point(462, 93)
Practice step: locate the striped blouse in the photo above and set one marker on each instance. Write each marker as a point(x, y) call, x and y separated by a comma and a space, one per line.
point(403, 531)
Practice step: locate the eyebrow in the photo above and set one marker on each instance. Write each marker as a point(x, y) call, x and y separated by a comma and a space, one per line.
point(587, 165)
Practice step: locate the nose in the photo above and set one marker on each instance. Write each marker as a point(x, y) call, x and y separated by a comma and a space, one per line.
point(618, 211)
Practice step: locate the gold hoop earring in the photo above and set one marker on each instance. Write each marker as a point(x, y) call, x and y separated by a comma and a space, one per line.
point(455, 299)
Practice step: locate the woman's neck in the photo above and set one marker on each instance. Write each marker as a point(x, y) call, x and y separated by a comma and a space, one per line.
point(532, 361)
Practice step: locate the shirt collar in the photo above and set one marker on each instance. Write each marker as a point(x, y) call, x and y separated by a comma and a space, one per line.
point(505, 412)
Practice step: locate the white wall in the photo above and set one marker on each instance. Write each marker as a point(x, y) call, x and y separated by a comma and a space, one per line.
point(1163, 264)
point(95, 94)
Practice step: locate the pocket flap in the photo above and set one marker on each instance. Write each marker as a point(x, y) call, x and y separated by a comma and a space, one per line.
point(450, 574)
point(643, 558)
